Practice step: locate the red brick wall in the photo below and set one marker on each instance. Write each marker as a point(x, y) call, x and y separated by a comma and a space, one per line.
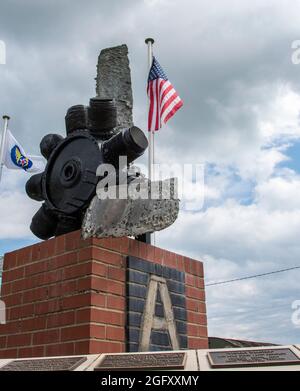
point(66, 296)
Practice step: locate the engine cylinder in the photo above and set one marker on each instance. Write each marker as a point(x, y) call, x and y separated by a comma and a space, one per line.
point(131, 143)
point(34, 187)
point(49, 143)
point(43, 223)
point(102, 115)
point(76, 118)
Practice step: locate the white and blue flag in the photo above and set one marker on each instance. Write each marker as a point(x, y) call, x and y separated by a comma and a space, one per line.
point(15, 157)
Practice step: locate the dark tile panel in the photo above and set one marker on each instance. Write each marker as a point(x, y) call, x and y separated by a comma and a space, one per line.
point(153, 268)
point(176, 287)
point(136, 290)
point(138, 277)
point(160, 338)
point(180, 313)
point(181, 327)
point(178, 300)
point(138, 274)
point(134, 335)
point(136, 305)
point(134, 319)
point(159, 310)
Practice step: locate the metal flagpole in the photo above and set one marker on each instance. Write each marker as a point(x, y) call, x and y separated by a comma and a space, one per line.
point(6, 118)
point(149, 42)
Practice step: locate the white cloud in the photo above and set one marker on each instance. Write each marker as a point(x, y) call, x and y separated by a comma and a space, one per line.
point(16, 213)
point(16, 209)
point(279, 193)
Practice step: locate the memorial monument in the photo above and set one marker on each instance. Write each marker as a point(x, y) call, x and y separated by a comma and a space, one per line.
point(89, 297)
point(100, 134)
point(90, 287)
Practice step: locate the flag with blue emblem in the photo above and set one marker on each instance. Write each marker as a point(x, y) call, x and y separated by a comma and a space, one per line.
point(15, 157)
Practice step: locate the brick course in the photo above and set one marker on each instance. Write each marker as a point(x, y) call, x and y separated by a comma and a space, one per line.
point(66, 296)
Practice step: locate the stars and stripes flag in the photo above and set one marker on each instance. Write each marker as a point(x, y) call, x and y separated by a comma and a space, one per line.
point(164, 100)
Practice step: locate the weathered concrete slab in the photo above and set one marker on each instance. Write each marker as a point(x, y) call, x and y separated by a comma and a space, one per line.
point(4, 362)
point(132, 217)
point(114, 81)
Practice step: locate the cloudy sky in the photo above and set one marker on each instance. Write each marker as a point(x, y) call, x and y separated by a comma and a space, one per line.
point(231, 63)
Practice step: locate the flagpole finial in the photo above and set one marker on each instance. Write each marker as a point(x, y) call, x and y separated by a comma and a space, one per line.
point(151, 40)
point(6, 117)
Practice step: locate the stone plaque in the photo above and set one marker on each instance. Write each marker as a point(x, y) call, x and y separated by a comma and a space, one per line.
point(244, 358)
point(142, 361)
point(47, 364)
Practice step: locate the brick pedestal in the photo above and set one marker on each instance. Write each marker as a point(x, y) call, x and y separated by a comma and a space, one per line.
point(70, 296)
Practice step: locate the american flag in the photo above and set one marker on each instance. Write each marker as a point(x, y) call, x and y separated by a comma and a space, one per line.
point(164, 100)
